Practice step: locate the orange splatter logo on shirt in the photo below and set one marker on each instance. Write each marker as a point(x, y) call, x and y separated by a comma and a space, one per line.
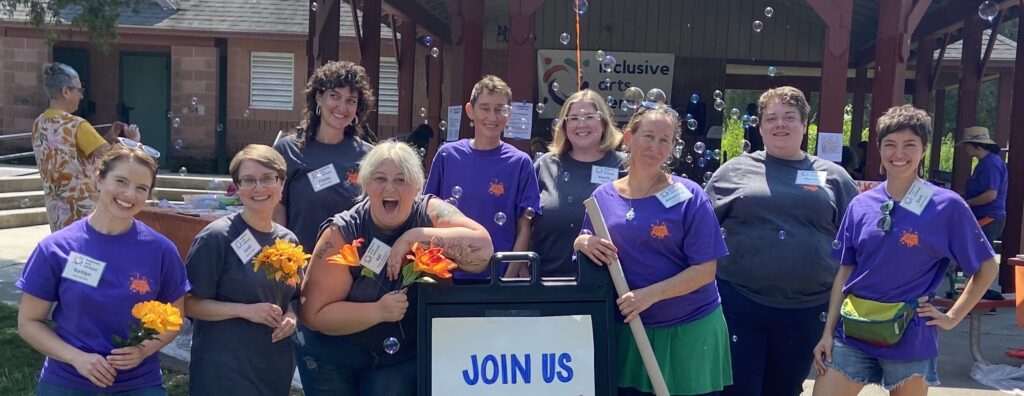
point(139, 284)
point(353, 176)
point(811, 188)
point(496, 189)
point(909, 238)
point(659, 231)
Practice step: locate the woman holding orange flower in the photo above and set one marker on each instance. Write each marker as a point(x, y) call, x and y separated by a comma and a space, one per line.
point(348, 342)
point(97, 271)
point(244, 317)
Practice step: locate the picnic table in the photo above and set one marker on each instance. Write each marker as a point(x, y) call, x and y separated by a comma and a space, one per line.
point(179, 227)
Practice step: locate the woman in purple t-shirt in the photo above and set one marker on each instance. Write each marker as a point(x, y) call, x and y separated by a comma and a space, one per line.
point(668, 242)
point(95, 270)
point(895, 244)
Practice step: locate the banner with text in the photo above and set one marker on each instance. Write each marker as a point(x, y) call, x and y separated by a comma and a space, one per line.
point(557, 70)
point(551, 355)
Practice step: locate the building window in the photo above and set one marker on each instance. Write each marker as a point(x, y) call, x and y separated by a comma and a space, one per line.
point(271, 81)
point(387, 98)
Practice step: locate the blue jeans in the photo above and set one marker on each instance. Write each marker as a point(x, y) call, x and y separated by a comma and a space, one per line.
point(772, 348)
point(862, 368)
point(345, 368)
point(44, 388)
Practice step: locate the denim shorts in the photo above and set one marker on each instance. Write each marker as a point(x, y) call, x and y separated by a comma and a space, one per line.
point(44, 388)
point(862, 368)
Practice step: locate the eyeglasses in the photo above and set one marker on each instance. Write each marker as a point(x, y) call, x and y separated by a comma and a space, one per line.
point(136, 145)
point(885, 222)
point(265, 181)
point(582, 119)
point(79, 89)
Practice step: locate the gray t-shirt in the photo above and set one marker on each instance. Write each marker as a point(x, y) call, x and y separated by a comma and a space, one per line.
point(780, 232)
point(307, 208)
point(235, 356)
point(564, 183)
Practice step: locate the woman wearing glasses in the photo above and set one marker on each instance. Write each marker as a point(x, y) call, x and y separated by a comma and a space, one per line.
point(780, 209)
point(67, 148)
point(582, 156)
point(323, 154)
point(239, 322)
point(894, 245)
point(94, 271)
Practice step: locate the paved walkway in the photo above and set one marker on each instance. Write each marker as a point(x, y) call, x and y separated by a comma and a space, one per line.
point(1000, 331)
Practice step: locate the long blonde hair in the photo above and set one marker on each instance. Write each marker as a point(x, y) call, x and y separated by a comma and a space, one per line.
point(610, 138)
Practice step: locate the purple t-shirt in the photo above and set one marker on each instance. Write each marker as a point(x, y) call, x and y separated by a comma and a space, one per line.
point(493, 186)
point(141, 265)
point(659, 243)
point(908, 261)
point(990, 174)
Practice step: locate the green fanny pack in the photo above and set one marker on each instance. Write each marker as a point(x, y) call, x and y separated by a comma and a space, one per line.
point(876, 322)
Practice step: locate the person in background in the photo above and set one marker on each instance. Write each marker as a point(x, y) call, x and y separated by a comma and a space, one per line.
point(67, 148)
point(986, 189)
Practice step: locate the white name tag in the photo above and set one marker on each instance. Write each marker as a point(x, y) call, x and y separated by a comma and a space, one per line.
point(811, 178)
point(323, 177)
point(376, 256)
point(246, 247)
point(917, 197)
point(674, 194)
point(84, 269)
point(603, 174)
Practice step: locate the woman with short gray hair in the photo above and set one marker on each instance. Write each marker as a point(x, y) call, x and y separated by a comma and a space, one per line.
point(67, 147)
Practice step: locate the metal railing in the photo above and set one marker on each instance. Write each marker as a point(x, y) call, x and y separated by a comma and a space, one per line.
point(16, 155)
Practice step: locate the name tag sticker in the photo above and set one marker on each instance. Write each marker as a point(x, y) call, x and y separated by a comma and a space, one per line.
point(673, 194)
point(917, 197)
point(84, 269)
point(603, 174)
point(376, 256)
point(246, 247)
point(811, 178)
point(323, 177)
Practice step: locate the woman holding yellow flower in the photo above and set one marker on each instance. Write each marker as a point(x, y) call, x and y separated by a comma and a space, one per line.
point(348, 343)
point(244, 274)
point(105, 271)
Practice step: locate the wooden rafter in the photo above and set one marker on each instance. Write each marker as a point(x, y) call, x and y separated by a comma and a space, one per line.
point(993, 33)
point(355, 25)
point(938, 63)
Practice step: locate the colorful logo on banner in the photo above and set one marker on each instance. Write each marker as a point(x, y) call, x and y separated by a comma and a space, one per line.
point(559, 80)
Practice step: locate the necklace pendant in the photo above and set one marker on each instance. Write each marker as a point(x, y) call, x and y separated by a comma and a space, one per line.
point(631, 214)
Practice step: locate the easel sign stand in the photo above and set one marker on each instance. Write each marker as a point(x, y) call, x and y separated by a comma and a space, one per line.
point(636, 326)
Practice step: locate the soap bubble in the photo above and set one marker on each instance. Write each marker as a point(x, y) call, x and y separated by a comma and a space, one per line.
point(702, 162)
point(183, 171)
point(554, 86)
point(723, 232)
point(734, 338)
point(694, 98)
point(600, 55)
point(836, 245)
point(823, 316)
point(457, 192)
point(565, 176)
point(746, 146)
point(220, 127)
point(443, 125)
point(170, 114)
point(195, 101)
point(988, 10)
point(633, 97)
point(656, 95)
point(580, 6)
point(758, 26)
point(699, 147)
point(530, 213)
point(564, 39)
point(178, 144)
point(391, 345)
point(734, 113)
point(499, 218)
point(586, 232)
point(610, 101)
point(246, 113)
point(678, 152)
point(25, 202)
point(313, 6)
point(435, 52)
point(719, 104)
point(717, 154)
point(452, 201)
point(769, 12)
point(427, 41)
point(692, 124)
point(422, 152)
point(608, 63)
point(689, 159)
point(707, 176)
point(754, 120)
point(782, 234)
point(423, 111)
point(540, 107)
point(176, 122)
point(772, 70)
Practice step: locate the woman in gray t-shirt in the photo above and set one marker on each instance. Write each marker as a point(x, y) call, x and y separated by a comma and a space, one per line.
point(582, 156)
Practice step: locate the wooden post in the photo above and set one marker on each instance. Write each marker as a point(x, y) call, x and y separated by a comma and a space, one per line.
point(322, 44)
point(938, 130)
point(521, 52)
point(1002, 131)
point(837, 15)
point(406, 73)
point(860, 88)
point(370, 55)
point(435, 108)
point(970, 93)
point(923, 74)
point(1012, 234)
point(468, 36)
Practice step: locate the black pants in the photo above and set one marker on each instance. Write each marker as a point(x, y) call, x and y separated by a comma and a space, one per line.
point(772, 347)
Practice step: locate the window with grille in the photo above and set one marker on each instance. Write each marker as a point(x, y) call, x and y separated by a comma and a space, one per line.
point(272, 76)
point(387, 98)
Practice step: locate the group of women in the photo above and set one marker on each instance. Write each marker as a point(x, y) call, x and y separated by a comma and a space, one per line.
point(745, 276)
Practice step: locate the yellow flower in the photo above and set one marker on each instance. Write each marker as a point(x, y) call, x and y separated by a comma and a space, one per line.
point(157, 316)
point(349, 254)
point(282, 261)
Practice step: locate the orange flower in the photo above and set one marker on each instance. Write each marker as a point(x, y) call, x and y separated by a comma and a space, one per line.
point(431, 261)
point(281, 260)
point(349, 254)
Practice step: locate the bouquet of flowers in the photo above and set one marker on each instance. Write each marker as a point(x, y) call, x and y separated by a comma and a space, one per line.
point(154, 318)
point(282, 262)
point(430, 260)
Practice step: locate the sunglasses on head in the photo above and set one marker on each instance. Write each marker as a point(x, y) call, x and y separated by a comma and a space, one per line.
point(139, 146)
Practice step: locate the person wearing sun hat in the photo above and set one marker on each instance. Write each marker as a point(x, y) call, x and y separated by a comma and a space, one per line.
point(986, 190)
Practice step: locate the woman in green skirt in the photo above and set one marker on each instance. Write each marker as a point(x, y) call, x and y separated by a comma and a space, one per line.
point(668, 243)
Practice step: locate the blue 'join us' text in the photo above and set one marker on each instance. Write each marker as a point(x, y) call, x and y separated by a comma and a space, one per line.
point(516, 369)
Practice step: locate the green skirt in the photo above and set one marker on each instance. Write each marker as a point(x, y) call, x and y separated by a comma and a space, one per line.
point(694, 357)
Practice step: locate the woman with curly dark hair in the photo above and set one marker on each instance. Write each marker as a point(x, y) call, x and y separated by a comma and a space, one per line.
point(324, 151)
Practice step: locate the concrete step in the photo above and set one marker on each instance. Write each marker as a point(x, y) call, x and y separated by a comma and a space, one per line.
point(13, 218)
point(20, 183)
point(193, 182)
point(177, 194)
point(21, 200)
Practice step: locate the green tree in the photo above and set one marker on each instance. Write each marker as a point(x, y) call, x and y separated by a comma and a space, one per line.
point(98, 17)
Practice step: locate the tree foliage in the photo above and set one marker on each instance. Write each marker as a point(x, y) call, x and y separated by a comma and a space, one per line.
point(98, 17)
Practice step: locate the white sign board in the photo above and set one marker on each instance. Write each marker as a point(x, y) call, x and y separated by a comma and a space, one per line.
point(631, 69)
point(497, 356)
point(454, 122)
point(830, 146)
point(520, 121)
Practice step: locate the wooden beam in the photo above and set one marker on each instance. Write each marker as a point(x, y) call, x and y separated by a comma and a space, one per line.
point(860, 87)
point(922, 77)
point(993, 33)
point(471, 30)
point(837, 15)
point(394, 38)
point(413, 10)
point(406, 73)
point(938, 131)
point(322, 42)
point(938, 62)
point(370, 54)
point(1012, 233)
point(436, 109)
point(1002, 132)
point(969, 94)
point(356, 27)
point(521, 46)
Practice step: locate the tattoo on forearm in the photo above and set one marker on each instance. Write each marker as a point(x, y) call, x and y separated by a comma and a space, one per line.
point(464, 254)
point(443, 211)
point(324, 250)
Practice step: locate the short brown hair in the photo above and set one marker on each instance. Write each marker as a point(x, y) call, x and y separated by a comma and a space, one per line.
point(650, 108)
point(489, 84)
point(260, 154)
point(898, 118)
point(789, 96)
point(120, 153)
point(611, 137)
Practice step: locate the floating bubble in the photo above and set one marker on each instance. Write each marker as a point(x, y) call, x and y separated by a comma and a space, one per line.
point(554, 86)
point(717, 94)
point(772, 70)
point(555, 122)
point(723, 232)
point(391, 345)
point(313, 7)
point(746, 146)
point(182, 171)
point(734, 338)
point(694, 98)
point(692, 124)
point(734, 113)
point(758, 26)
point(823, 316)
point(689, 116)
point(220, 127)
point(427, 40)
point(707, 176)
point(425, 122)
point(719, 104)
point(540, 107)
point(247, 113)
point(176, 122)
point(769, 12)
point(178, 144)
point(25, 202)
point(709, 154)
point(746, 118)
point(530, 213)
point(678, 152)
point(565, 176)
point(702, 162)
point(505, 111)
point(213, 185)
point(564, 39)
point(754, 120)
point(443, 125)
point(570, 199)
point(610, 101)
point(607, 83)
point(608, 63)
point(435, 52)
point(633, 97)
point(836, 245)
point(689, 159)
point(656, 95)
point(499, 218)
point(170, 114)
point(580, 6)
point(988, 10)
point(672, 112)
point(422, 152)
point(600, 55)
point(699, 147)
point(452, 201)
point(194, 101)
point(423, 111)
point(457, 192)
point(623, 105)
point(586, 232)
point(782, 234)
point(717, 154)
